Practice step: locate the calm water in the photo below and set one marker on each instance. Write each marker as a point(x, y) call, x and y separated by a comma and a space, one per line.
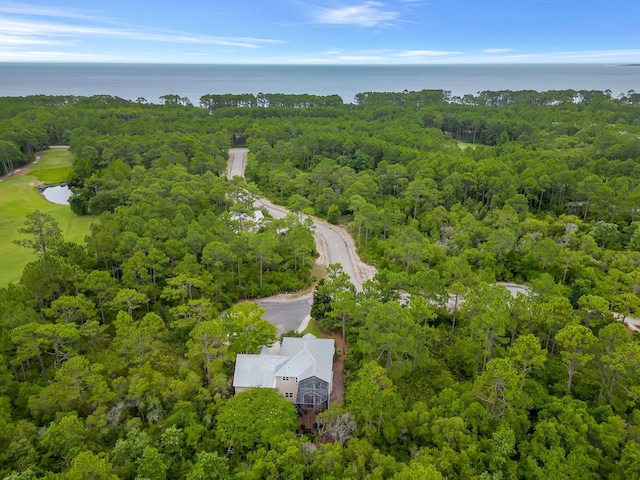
point(192, 81)
point(59, 194)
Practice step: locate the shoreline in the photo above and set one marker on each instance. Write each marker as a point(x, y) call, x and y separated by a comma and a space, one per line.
point(195, 80)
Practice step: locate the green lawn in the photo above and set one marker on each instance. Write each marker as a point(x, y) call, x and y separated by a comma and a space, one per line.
point(464, 145)
point(19, 197)
point(54, 167)
point(313, 329)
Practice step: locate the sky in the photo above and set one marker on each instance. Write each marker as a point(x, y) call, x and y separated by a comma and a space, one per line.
point(326, 32)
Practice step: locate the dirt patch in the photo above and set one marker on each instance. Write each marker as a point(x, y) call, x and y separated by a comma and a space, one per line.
point(20, 172)
point(337, 393)
point(16, 173)
point(24, 170)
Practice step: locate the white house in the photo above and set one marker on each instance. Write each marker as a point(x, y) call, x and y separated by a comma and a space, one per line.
point(302, 372)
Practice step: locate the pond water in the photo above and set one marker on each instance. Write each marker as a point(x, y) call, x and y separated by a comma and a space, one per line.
point(59, 194)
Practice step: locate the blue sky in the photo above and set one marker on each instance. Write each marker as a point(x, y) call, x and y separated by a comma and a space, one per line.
point(321, 31)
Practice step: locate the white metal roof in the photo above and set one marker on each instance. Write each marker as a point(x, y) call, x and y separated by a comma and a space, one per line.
point(256, 370)
point(296, 366)
point(310, 356)
point(299, 357)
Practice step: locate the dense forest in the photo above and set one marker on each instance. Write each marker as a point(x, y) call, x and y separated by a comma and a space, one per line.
point(116, 355)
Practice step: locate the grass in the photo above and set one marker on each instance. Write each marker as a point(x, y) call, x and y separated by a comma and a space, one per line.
point(53, 176)
point(464, 145)
point(19, 197)
point(314, 330)
point(54, 167)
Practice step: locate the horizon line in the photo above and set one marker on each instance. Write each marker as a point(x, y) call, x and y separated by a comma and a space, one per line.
point(328, 64)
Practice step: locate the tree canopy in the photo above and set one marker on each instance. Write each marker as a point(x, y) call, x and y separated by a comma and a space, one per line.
point(116, 356)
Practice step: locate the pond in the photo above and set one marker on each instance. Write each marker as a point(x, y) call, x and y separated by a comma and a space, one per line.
point(59, 194)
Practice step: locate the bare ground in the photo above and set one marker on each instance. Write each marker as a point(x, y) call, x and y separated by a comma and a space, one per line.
point(337, 393)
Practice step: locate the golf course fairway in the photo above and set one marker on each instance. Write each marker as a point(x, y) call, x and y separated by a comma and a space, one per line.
point(19, 197)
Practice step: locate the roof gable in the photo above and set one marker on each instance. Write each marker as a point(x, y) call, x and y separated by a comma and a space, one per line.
point(297, 365)
point(299, 357)
point(310, 356)
point(317, 346)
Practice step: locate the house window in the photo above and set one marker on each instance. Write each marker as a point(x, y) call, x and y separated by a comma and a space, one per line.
point(288, 394)
point(285, 379)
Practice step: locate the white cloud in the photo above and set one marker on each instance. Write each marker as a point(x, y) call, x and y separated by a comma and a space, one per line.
point(497, 50)
point(372, 56)
point(377, 52)
point(24, 30)
point(11, 55)
point(40, 11)
point(17, 40)
point(367, 14)
point(586, 56)
point(360, 58)
point(50, 29)
point(435, 57)
point(426, 53)
point(596, 54)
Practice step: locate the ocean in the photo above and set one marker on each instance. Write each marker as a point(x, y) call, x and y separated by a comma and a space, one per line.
point(132, 81)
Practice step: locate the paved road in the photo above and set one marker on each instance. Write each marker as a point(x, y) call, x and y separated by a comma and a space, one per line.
point(286, 315)
point(339, 248)
point(237, 162)
point(334, 244)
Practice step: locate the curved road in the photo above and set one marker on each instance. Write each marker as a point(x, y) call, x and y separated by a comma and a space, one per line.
point(334, 244)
